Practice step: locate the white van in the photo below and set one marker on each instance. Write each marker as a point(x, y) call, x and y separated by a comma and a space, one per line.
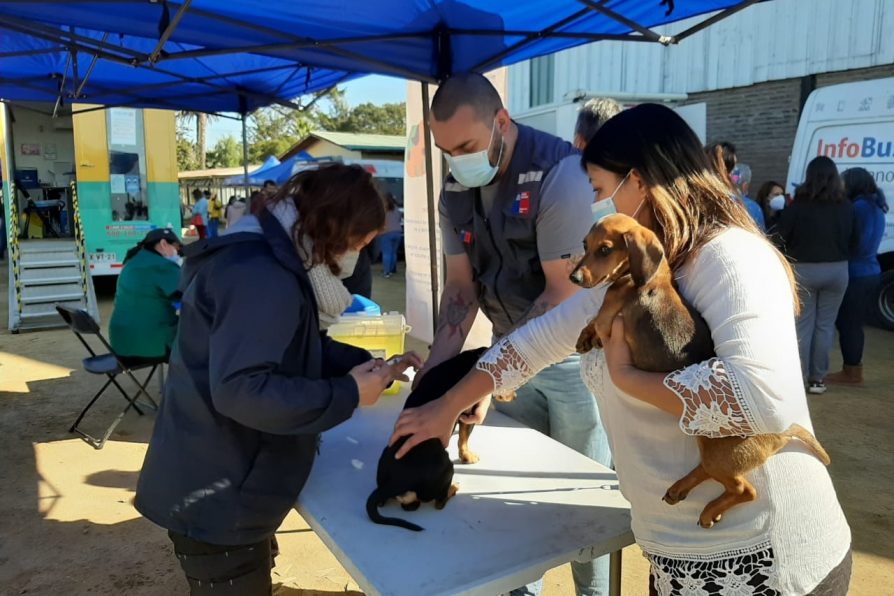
point(853, 124)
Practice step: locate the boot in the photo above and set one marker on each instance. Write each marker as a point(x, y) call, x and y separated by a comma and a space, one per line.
point(849, 375)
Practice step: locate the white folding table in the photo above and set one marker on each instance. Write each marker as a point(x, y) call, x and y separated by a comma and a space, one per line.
point(529, 505)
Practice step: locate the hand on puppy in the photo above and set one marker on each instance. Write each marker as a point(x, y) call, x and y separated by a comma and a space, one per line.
point(477, 413)
point(617, 353)
point(434, 420)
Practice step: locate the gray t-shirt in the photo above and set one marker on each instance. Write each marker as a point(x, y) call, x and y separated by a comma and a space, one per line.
point(562, 222)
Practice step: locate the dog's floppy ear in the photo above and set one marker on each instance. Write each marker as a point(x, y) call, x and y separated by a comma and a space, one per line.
point(645, 254)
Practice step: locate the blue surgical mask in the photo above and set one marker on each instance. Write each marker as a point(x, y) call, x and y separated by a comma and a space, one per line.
point(605, 207)
point(474, 169)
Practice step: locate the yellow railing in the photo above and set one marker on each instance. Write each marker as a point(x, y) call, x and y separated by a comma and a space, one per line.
point(79, 238)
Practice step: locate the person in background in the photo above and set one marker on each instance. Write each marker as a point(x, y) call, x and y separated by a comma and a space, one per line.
point(864, 272)
point(391, 236)
point(771, 200)
point(253, 383)
point(200, 213)
point(722, 156)
point(741, 177)
point(514, 212)
point(144, 320)
point(590, 118)
point(235, 211)
point(215, 215)
point(256, 201)
point(818, 232)
point(269, 188)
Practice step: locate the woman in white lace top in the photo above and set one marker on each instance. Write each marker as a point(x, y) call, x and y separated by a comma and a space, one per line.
point(793, 539)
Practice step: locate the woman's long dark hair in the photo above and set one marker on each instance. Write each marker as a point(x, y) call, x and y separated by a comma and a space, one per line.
point(822, 183)
point(858, 182)
point(338, 206)
point(690, 202)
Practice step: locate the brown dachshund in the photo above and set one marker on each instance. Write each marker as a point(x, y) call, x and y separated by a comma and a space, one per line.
point(665, 334)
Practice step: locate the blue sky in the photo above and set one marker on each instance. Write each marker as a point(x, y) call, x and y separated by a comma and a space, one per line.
point(373, 88)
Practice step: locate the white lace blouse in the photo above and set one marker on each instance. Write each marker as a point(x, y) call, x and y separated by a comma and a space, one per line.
point(795, 533)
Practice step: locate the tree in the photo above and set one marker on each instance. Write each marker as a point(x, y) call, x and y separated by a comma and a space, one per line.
point(202, 119)
point(387, 119)
point(274, 130)
point(226, 153)
point(186, 150)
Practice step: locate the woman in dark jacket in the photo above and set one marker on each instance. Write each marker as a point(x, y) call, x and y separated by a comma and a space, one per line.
point(253, 383)
point(818, 232)
point(863, 269)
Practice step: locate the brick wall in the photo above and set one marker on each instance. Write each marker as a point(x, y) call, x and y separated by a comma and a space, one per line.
point(762, 120)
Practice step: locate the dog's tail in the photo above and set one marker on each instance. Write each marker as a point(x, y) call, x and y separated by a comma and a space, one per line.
point(372, 510)
point(805, 436)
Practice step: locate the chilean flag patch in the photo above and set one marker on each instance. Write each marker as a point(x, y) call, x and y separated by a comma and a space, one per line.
point(522, 203)
point(466, 237)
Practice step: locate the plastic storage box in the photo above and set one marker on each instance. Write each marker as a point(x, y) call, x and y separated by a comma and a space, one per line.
point(383, 335)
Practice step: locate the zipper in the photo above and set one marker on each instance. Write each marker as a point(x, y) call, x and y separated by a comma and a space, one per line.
point(493, 244)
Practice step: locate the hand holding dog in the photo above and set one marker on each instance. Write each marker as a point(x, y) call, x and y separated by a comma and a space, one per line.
point(435, 419)
point(618, 359)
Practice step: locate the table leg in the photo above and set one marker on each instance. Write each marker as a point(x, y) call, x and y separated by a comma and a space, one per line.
point(161, 380)
point(614, 573)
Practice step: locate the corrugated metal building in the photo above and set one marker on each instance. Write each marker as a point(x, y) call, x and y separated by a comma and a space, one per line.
point(744, 78)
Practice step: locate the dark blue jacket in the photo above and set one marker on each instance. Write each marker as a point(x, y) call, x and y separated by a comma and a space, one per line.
point(252, 384)
point(871, 222)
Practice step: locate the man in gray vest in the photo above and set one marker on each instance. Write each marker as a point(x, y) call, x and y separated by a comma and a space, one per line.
point(514, 211)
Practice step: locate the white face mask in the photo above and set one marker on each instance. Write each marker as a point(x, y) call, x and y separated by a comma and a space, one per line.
point(474, 170)
point(348, 262)
point(777, 203)
point(175, 259)
point(605, 207)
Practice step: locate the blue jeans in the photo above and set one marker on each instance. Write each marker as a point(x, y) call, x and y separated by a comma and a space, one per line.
point(212, 228)
point(851, 314)
point(557, 403)
point(389, 243)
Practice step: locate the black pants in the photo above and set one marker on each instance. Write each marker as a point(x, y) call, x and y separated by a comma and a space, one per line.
point(851, 315)
point(215, 570)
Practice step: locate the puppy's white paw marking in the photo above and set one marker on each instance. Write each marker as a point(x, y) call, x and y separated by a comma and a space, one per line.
point(358, 465)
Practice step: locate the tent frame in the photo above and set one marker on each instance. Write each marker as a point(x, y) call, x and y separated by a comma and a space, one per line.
point(440, 38)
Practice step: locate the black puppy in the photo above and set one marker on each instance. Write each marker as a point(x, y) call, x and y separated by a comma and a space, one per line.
point(426, 472)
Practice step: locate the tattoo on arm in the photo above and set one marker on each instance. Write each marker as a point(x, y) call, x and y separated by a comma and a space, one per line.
point(455, 312)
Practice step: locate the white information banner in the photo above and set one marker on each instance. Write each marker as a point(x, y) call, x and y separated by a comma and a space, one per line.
point(416, 229)
point(123, 126)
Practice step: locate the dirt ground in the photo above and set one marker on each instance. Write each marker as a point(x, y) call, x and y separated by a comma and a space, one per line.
point(67, 525)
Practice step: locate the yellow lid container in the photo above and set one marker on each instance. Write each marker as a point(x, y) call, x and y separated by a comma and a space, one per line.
point(381, 335)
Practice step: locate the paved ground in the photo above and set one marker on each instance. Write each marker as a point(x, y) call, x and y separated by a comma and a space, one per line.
point(67, 525)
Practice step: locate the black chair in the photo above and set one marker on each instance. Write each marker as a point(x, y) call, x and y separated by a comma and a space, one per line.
point(110, 365)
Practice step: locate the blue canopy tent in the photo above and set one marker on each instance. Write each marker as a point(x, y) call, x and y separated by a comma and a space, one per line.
point(206, 55)
point(279, 172)
point(270, 162)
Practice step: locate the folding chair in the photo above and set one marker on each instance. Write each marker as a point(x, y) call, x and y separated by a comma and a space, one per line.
point(110, 365)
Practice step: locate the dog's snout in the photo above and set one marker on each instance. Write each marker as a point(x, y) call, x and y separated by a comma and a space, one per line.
point(576, 277)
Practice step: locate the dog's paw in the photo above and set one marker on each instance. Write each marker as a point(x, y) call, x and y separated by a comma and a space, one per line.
point(706, 522)
point(505, 398)
point(588, 340)
point(467, 457)
point(672, 498)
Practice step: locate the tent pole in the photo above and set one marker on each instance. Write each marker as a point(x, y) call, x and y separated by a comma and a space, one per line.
point(433, 256)
point(245, 157)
